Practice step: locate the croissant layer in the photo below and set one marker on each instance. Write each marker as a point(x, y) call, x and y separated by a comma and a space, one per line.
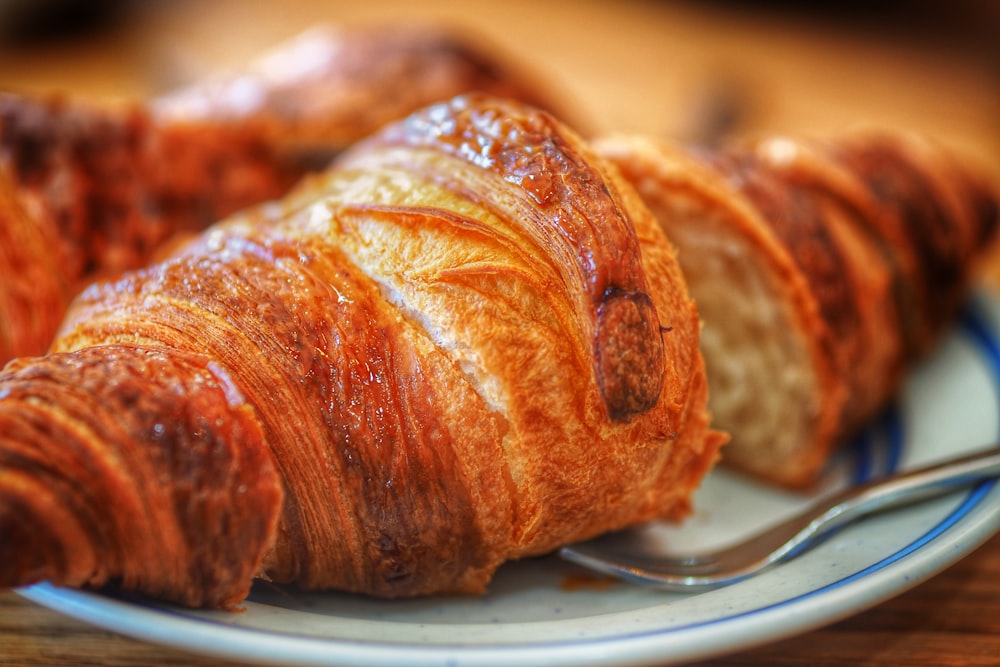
point(148, 470)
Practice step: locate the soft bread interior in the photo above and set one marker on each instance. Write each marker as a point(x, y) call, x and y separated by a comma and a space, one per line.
point(763, 384)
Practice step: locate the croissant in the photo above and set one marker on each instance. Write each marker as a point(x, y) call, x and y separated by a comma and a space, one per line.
point(822, 270)
point(330, 86)
point(87, 192)
point(466, 342)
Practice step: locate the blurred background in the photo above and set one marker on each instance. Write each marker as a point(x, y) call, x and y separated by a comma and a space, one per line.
point(687, 70)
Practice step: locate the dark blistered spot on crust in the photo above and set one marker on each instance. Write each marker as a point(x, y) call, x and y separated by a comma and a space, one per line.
point(629, 353)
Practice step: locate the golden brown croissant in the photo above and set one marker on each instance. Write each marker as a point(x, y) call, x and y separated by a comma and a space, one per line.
point(468, 342)
point(822, 271)
point(88, 192)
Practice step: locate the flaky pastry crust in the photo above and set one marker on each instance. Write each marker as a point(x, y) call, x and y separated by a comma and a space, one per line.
point(468, 342)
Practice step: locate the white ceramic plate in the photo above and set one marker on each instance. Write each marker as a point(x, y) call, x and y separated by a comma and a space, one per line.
point(546, 612)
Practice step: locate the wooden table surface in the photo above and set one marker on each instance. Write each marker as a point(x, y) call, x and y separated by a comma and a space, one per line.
point(660, 68)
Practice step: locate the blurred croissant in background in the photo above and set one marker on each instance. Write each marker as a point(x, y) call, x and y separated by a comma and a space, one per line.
point(88, 191)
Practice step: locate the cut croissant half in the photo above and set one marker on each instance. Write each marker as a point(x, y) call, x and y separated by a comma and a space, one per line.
point(468, 342)
point(87, 192)
point(822, 271)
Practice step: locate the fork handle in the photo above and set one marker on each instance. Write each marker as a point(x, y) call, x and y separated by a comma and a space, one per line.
point(911, 486)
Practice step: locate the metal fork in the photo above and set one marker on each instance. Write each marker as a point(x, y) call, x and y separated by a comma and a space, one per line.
point(613, 555)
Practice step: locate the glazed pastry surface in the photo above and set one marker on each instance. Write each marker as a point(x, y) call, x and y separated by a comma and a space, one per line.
point(467, 342)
